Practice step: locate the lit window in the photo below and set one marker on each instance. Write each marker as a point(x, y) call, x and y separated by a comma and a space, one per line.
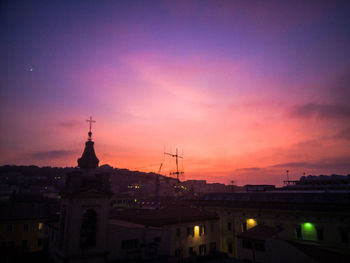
point(196, 230)
point(251, 222)
point(40, 226)
point(309, 231)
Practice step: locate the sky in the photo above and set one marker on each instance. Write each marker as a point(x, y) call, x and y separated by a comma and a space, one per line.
point(244, 89)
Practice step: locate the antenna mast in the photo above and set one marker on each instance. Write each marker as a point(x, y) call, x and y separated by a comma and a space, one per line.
point(176, 156)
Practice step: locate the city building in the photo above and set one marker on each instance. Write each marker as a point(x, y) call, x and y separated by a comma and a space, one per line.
point(305, 221)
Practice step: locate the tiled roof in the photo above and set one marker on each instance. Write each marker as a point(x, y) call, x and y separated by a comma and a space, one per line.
point(259, 232)
point(166, 216)
point(280, 201)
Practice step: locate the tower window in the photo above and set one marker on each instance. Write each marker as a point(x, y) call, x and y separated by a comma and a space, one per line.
point(88, 229)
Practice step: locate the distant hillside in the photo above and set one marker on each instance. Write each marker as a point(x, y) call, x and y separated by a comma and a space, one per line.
point(11, 172)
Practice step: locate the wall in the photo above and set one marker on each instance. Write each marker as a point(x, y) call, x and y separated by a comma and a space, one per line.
point(34, 234)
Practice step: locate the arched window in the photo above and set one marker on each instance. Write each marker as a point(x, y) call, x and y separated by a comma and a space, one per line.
point(88, 229)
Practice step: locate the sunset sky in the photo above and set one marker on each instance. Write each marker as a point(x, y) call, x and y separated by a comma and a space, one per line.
point(246, 89)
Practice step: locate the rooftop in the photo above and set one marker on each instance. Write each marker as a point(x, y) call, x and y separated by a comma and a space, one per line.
point(259, 232)
point(166, 216)
point(280, 200)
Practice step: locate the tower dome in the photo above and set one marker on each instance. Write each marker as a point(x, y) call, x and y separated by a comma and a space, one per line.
point(88, 160)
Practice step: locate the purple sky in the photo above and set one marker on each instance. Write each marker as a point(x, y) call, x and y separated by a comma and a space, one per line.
point(247, 89)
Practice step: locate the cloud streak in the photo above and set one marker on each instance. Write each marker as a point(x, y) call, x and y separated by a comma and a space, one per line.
point(323, 111)
point(70, 124)
point(46, 155)
point(330, 163)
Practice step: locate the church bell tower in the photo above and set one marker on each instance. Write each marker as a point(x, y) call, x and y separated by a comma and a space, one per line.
point(82, 230)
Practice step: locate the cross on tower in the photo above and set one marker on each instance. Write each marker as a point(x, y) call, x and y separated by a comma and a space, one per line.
point(90, 121)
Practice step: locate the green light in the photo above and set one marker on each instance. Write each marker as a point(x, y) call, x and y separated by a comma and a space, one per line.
point(309, 231)
point(308, 226)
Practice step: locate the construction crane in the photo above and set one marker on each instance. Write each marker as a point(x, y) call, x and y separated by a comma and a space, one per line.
point(160, 168)
point(176, 156)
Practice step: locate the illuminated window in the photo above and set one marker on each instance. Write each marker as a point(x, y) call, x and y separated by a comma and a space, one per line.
point(202, 230)
point(196, 231)
point(251, 222)
point(40, 226)
point(309, 231)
